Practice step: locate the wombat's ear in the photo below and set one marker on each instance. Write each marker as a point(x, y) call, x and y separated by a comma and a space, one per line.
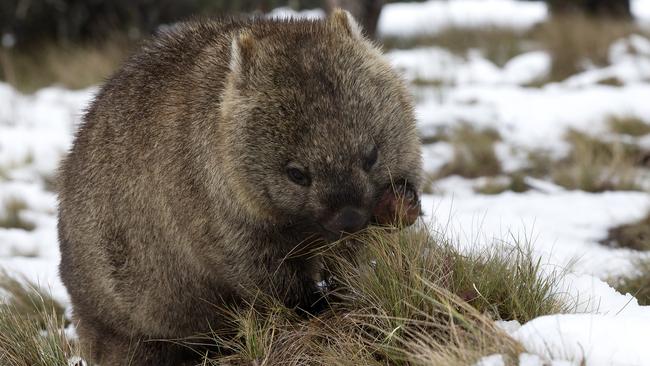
point(343, 23)
point(241, 51)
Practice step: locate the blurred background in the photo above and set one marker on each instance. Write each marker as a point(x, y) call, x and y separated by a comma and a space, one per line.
point(76, 43)
point(534, 115)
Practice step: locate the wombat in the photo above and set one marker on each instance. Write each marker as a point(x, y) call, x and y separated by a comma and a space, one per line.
point(217, 150)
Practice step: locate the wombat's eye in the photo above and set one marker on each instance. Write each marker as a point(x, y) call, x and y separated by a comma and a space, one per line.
point(370, 160)
point(298, 176)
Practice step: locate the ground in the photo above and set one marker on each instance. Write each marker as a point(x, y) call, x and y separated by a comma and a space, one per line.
point(509, 153)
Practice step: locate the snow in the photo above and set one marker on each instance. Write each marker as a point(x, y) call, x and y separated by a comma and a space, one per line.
point(438, 65)
point(35, 132)
point(607, 328)
point(588, 338)
point(492, 360)
point(641, 10)
point(411, 18)
point(536, 117)
point(408, 19)
point(563, 227)
point(285, 13)
point(630, 62)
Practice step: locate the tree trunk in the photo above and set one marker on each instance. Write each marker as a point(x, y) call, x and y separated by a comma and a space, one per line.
point(596, 8)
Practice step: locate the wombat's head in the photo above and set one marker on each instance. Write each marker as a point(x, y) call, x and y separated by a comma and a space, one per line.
point(317, 125)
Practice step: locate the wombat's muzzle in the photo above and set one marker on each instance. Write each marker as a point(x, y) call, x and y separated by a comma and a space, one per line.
point(348, 220)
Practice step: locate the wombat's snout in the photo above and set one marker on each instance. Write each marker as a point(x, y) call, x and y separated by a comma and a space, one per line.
point(347, 220)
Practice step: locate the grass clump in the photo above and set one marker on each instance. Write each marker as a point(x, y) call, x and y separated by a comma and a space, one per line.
point(633, 236)
point(11, 215)
point(631, 126)
point(474, 154)
point(408, 265)
point(410, 299)
point(514, 183)
point(32, 326)
point(638, 285)
point(596, 166)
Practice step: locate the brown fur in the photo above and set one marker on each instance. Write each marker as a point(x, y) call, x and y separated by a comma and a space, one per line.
point(175, 196)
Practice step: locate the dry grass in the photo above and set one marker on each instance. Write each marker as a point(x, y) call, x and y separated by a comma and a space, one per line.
point(11, 217)
point(633, 236)
point(411, 299)
point(513, 183)
point(71, 66)
point(595, 166)
point(637, 285)
point(32, 326)
point(631, 126)
point(474, 154)
point(498, 44)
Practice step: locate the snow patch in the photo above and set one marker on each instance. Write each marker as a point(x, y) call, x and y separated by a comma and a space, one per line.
point(410, 19)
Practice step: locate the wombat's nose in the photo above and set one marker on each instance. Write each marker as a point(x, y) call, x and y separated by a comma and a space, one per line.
point(348, 220)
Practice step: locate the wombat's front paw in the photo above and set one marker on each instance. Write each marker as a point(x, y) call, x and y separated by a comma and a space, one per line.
point(399, 205)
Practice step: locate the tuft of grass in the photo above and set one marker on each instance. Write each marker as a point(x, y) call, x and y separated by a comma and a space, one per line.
point(27, 298)
point(474, 154)
point(638, 285)
point(12, 218)
point(491, 279)
point(632, 126)
point(32, 326)
point(514, 183)
point(611, 81)
point(410, 299)
point(633, 236)
point(595, 166)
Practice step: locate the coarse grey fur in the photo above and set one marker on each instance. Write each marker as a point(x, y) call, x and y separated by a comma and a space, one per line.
point(175, 195)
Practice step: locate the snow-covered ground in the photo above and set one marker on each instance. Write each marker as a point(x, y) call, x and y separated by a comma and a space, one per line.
point(564, 227)
point(413, 18)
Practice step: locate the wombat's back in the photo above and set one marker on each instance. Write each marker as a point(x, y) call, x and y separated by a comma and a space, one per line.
point(131, 194)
